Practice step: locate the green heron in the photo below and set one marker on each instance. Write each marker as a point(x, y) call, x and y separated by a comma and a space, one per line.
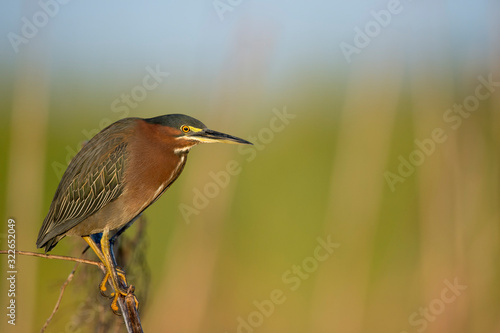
point(115, 177)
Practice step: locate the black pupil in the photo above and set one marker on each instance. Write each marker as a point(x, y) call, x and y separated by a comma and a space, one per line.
point(185, 128)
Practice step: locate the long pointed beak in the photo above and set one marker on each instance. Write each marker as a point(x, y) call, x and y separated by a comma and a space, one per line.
point(209, 136)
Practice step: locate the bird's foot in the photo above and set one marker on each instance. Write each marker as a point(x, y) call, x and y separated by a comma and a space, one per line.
point(120, 273)
point(121, 289)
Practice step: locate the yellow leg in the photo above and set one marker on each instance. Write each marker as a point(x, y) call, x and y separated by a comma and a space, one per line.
point(108, 262)
point(120, 272)
point(94, 247)
point(112, 272)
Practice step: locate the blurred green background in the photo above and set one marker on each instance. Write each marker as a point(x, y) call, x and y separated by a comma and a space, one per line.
point(360, 81)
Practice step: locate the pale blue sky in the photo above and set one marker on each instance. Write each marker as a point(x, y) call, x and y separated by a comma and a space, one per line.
point(112, 26)
point(189, 36)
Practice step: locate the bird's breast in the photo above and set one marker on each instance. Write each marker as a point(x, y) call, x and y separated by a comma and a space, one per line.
point(148, 174)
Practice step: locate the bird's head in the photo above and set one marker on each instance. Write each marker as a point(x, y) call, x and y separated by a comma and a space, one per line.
point(188, 131)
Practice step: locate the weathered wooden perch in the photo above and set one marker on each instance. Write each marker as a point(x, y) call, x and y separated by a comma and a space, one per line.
point(129, 310)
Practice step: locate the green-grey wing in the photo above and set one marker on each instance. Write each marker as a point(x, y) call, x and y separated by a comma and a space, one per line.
point(93, 179)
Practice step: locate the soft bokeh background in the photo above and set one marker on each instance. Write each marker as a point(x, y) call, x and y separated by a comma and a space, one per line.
point(321, 175)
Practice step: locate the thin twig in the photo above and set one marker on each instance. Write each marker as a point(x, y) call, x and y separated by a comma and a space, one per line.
point(52, 256)
point(56, 307)
point(128, 309)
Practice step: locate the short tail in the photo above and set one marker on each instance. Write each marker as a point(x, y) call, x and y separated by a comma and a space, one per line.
point(49, 245)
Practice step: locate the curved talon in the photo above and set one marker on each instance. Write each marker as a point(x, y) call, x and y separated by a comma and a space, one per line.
point(114, 304)
point(103, 294)
point(102, 285)
point(120, 273)
point(121, 289)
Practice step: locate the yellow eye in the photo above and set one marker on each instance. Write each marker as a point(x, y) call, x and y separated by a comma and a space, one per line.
point(185, 129)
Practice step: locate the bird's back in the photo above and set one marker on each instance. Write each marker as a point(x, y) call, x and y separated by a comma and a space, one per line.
point(92, 180)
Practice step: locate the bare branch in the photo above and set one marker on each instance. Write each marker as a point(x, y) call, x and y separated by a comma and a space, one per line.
point(56, 307)
point(127, 304)
point(52, 256)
